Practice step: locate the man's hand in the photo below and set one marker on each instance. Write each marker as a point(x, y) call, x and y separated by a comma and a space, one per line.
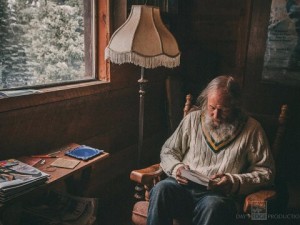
point(220, 182)
point(179, 178)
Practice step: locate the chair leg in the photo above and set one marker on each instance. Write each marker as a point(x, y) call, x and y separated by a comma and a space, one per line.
point(139, 192)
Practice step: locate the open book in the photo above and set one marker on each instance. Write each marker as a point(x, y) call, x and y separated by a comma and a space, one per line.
point(195, 176)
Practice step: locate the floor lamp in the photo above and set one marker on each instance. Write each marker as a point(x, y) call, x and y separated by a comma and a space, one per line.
point(144, 41)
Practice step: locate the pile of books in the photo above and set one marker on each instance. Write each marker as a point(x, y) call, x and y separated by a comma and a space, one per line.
point(17, 178)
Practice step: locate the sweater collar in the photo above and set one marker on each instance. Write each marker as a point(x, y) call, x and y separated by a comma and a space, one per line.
point(217, 146)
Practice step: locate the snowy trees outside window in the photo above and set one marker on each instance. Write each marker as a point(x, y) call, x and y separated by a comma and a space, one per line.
point(45, 42)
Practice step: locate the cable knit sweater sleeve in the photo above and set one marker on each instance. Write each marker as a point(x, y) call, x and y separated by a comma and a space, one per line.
point(175, 147)
point(260, 171)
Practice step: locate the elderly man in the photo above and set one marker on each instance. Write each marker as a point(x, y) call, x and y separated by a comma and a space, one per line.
point(221, 142)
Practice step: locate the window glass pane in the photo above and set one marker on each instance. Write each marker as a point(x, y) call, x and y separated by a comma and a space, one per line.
point(44, 42)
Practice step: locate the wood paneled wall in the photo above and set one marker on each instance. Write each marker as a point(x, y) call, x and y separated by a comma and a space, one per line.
point(107, 120)
point(267, 97)
point(213, 36)
point(229, 37)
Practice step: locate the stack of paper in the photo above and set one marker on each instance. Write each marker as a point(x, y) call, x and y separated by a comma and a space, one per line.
point(16, 178)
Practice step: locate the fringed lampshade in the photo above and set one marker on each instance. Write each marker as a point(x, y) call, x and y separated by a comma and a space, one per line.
point(143, 40)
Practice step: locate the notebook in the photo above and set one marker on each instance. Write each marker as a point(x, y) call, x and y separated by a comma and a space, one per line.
point(65, 163)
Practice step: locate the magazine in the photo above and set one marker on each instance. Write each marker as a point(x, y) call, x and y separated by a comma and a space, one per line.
point(17, 177)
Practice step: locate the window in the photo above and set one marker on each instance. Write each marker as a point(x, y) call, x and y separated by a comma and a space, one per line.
point(46, 42)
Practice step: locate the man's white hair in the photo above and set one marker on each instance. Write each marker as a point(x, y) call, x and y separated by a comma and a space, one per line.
point(225, 83)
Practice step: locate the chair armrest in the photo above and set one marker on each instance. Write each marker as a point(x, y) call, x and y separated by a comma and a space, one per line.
point(146, 175)
point(258, 199)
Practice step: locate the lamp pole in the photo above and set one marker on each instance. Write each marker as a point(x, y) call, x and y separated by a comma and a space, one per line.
point(142, 83)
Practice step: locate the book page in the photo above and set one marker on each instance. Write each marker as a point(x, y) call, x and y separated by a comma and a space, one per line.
point(195, 176)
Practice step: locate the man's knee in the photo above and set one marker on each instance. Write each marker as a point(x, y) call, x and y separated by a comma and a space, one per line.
point(163, 187)
point(214, 209)
point(218, 204)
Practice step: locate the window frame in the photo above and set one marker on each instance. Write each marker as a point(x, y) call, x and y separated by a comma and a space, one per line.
point(80, 89)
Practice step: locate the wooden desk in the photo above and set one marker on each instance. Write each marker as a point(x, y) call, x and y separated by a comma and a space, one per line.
point(56, 175)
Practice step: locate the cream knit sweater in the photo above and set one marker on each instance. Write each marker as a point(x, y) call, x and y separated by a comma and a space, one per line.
point(247, 160)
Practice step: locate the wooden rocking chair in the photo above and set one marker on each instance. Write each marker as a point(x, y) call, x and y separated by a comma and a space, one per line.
point(276, 198)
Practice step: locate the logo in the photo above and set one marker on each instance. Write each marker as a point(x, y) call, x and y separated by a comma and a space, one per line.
point(259, 210)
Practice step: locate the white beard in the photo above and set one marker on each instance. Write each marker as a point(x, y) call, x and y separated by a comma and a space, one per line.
point(221, 131)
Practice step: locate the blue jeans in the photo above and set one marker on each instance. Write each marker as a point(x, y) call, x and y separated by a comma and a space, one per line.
point(170, 200)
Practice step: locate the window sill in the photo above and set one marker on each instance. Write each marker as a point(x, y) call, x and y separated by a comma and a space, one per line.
point(54, 94)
